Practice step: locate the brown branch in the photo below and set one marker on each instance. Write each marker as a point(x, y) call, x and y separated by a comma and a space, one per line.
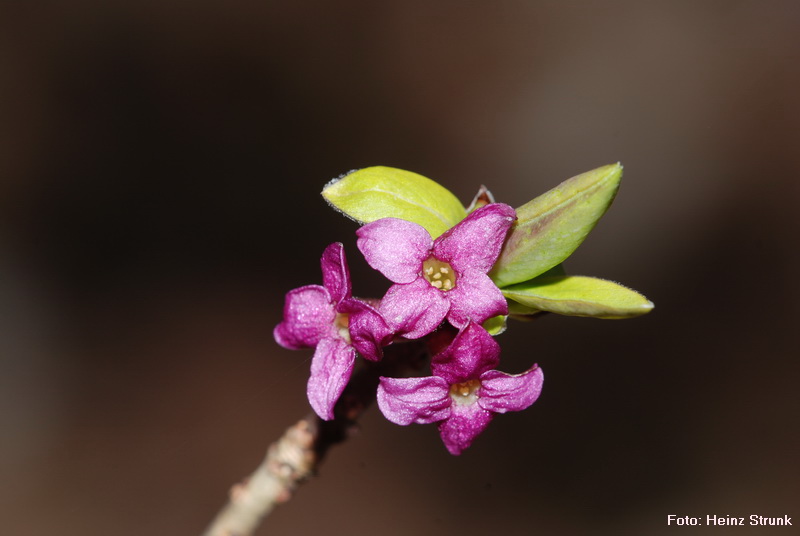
point(289, 461)
point(296, 456)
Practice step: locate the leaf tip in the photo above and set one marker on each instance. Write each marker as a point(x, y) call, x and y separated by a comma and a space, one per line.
point(638, 310)
point(330, 190)
point(331, 184)
point(612, 172)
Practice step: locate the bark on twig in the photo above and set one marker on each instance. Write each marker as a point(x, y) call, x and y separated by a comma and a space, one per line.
point(296, 456)
point(289, 461)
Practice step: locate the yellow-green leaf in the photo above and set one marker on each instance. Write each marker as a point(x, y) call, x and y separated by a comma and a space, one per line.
point(579, 296)
point(549, 228)
point(373, 193)
point(495, 325)
point(518, 311)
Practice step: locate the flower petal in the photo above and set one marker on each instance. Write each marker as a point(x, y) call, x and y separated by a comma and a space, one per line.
point(463, 426)
point(307, 317)
point(415, 309)
point(369, 332)
point(417, 400)
point(475, 297)
point(472, 352)
point(476, 241)
point(331, 368)
point(335, 274)
point(501, 392)
point(396, 248)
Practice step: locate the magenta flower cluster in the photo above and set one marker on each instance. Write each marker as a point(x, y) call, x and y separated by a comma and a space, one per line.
point(435, 282)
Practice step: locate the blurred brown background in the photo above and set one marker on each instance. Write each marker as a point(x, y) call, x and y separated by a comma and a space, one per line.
point(160, 169)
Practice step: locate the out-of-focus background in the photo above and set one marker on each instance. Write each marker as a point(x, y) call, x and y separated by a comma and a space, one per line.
point(160, 170)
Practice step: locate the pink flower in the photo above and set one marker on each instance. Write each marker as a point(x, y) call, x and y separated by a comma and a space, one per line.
point(464, 392)
point(329, 318)
point(442, 278)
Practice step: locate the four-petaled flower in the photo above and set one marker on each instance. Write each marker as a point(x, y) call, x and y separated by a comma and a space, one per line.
point(442, 278)
point(433, 280)
point(464, 392)
point(329, 318)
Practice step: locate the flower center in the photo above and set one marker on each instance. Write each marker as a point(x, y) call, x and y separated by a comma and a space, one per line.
point(439, 273)
point(342, 324)
point(465, 393)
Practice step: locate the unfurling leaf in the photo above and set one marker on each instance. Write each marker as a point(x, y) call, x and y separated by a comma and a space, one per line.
point(579, 296)
point(550, 227)
point(482, 198)
point(372, 193)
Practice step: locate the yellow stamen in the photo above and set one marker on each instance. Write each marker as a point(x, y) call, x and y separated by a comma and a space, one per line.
point(342, 324)
point(439, 274)
point(466, 392)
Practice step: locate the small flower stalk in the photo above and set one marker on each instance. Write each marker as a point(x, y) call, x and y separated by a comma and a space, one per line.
point(454, 275)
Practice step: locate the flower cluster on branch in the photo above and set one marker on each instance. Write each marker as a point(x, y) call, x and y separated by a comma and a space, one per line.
point(456, 275)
